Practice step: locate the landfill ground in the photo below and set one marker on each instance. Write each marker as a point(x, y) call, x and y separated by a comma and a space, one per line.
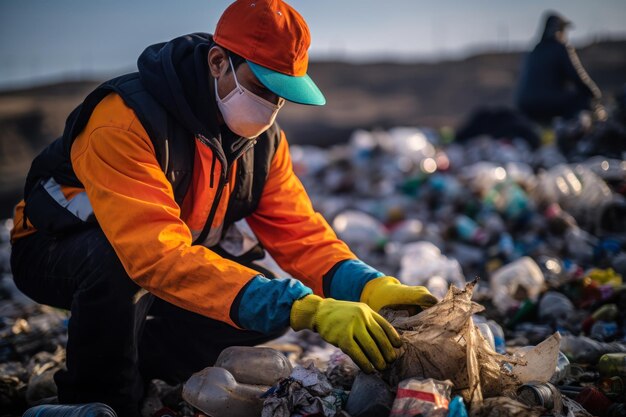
point(532, 241)
point(535, 214)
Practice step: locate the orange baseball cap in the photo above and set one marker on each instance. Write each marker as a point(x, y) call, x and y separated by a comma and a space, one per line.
point(274, 39)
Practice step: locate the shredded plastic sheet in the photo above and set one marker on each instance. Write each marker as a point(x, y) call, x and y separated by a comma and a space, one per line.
point(306, 392)
point(540, 361)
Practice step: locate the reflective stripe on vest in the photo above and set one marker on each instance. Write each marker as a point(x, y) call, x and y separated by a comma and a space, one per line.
point(79, 206)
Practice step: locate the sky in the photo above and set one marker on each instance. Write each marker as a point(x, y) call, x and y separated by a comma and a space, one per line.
point(48, 40)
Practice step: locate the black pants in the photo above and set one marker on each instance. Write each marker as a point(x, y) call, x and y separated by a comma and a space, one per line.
point(119, 336)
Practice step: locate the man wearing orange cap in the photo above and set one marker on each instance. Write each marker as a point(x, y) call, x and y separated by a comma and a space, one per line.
point(125, 218)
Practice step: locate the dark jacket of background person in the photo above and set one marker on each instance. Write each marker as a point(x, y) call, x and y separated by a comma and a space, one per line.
point(553, 81)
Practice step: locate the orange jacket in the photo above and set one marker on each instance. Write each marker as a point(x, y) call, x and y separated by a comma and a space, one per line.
point(134, 204)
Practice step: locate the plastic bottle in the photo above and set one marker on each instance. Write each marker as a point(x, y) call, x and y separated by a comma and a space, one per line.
point(80, 410)
point(215, 392)
point(409, 230)
point(562, 369)
point(359, 228)
point(603, 330)
point(580, 244)
point(577, 189)
point(422, 261)
point(581, 349)
point(509, 282)
point(498, 336)
point(469, 231)
point(516, 202)
point(456, 408)
point(254, 365)
point(607, 312)
point(485, 330)
point(555, 307)
point(234, 385)
point(612, 364)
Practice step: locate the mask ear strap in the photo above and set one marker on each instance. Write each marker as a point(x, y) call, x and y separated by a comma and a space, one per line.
point(234, 75)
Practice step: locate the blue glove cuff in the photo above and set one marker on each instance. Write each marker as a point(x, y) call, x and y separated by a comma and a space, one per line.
point(264, 304)
point(348, 278)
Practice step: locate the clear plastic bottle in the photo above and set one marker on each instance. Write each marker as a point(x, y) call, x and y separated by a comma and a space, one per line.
point(79, 410)
point(555, 307)
point(234, 385)
point(422, 263)
point(254, 365)
point(581, 349)
point(485, 330)
point(360, 229)
point(577, 189)
point(498, 336)
point(215, 392)
point(514, 282)
point(562, 369)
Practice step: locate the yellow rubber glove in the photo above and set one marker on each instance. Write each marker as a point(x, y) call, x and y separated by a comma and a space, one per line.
point(353, 327)
point(389, 292)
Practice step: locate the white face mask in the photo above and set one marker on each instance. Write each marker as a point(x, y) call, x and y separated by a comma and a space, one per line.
point(244, 112)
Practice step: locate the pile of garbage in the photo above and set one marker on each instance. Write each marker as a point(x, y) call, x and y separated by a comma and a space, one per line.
point(525, 248)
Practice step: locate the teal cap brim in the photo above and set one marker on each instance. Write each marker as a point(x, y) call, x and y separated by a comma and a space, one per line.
point(301, 90)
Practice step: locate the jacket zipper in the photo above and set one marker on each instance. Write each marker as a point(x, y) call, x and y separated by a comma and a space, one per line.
point(223, 180)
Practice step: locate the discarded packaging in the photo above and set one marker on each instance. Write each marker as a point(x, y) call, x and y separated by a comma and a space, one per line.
point(370, 397)
point(254, 365)
point(515, 282)
point(234, 386)
point(305, 392)
point(86, 410)
point(216, 392)
point(426, 397)
point(442, 343)
point(540, 394)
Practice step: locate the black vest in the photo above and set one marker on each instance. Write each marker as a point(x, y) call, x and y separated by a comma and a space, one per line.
point(174, 147)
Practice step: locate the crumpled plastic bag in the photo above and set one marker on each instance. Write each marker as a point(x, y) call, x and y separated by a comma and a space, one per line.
point(442, 342)
point(305, 392)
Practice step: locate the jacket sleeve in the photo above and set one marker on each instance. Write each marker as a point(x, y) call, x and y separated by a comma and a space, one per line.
point(298, 237)
point(135, 207)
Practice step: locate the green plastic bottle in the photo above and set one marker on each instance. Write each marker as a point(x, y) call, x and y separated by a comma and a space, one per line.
point(612, 364)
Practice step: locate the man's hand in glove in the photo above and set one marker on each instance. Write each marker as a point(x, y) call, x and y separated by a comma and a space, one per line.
point(355, 328)
point(389, 292)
